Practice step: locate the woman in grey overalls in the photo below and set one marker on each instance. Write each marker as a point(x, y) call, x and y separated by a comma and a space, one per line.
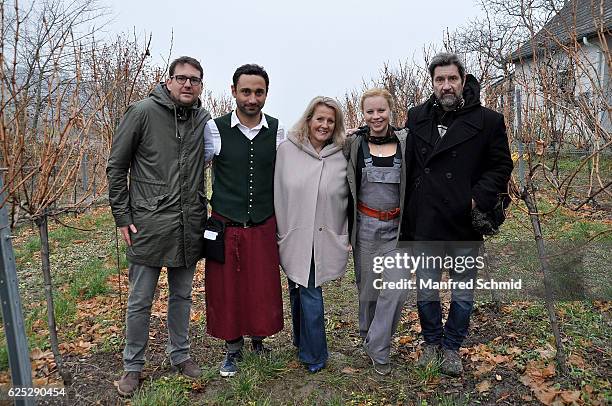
point(377, 183)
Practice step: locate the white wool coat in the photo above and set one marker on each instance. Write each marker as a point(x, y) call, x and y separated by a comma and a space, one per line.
point(310, 203)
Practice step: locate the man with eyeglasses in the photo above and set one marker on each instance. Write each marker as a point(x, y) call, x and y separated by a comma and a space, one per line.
point(243, 294)
point(161, 211)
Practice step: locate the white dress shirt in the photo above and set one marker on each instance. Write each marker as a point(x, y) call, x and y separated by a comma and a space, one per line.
point(212, 139)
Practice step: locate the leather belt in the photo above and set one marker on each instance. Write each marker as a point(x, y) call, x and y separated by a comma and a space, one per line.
point(382, 215)
point(248, 224)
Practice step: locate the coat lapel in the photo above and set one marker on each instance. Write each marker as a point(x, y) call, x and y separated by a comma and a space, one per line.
point(462, 129)
point(423, 129)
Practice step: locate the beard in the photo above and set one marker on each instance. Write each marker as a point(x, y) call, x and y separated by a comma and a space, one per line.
point(449, 100)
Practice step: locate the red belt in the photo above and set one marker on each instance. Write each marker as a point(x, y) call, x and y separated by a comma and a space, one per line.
point(383, 215)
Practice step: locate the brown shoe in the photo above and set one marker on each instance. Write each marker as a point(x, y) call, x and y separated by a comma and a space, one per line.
point(189, 368)
point(127, 385)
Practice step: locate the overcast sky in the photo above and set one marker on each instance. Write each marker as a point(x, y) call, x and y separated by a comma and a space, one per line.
point(309, 48)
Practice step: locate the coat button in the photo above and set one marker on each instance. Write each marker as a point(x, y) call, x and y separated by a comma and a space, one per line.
point(427, 170)
point(449, 175)
point(320, 228)
point(454, 154)
point(423, 151)
point(446, 201)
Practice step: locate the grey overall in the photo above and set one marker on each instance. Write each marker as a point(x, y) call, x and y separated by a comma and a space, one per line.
point(379, 309)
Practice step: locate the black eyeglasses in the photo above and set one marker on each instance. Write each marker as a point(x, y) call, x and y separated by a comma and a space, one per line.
point(182, 79)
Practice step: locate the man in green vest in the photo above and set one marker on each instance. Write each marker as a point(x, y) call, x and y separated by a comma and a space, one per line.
point(161, 211)
point(243, 294)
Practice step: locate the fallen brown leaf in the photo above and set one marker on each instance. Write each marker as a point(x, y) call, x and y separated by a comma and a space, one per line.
point(36, 353)
point(197, 386)
point(546, 395)
point(498, 359)
point(40, 381)
point(535, 378)
point(577, 361)
point(483, 369)
point(405, 340)
point(548, 371)
point(483, 386)
point(504, 395)
point(514, 350)
point(293, 365)
point(546, 353)
point(570, 396)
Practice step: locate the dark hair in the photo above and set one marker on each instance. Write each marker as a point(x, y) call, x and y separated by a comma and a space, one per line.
point(446, 59)
point(186, 60)
point(251, 69)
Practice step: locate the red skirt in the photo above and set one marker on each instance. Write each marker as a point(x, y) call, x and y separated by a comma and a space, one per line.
point(243, 296)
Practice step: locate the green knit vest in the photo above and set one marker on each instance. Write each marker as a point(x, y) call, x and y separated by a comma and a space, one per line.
point(243, 172)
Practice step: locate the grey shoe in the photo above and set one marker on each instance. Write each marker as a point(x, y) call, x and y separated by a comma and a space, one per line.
point(451, 363)
point(380, 369)
point(189, 368)
point(127, 385)
point(431, 354)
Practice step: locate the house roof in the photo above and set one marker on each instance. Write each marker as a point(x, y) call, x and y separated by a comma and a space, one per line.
point(582, 16)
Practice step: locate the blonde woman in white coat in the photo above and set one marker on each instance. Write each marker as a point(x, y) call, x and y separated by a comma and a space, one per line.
point(310, 203)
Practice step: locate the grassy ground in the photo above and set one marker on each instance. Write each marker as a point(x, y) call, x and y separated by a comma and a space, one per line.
point(508, 355)
point(505, 350)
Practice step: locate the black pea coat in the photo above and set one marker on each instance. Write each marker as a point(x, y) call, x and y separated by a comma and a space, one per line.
point(471, 161)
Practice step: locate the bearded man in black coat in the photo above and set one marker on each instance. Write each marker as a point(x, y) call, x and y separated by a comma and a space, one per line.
point(458, 160)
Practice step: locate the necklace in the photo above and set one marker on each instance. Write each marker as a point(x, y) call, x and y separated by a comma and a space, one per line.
point(379, 151)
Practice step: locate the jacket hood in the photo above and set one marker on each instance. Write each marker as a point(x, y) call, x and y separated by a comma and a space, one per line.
point(471, 95)
point(161, 95)
point(307, 147)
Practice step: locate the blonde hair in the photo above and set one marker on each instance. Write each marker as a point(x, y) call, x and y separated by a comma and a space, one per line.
point(300, 129)
point(377, 91)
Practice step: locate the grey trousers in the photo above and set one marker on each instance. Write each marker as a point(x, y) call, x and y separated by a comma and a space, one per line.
point(143, 281)
point(379, 309)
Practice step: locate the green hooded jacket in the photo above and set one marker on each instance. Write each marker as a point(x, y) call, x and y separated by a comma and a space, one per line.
point(160, 146)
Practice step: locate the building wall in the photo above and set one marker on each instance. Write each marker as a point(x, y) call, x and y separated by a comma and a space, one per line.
point(582, 87)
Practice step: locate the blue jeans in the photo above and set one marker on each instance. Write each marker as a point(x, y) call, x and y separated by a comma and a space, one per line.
point(308, 318)
point(455, 330)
